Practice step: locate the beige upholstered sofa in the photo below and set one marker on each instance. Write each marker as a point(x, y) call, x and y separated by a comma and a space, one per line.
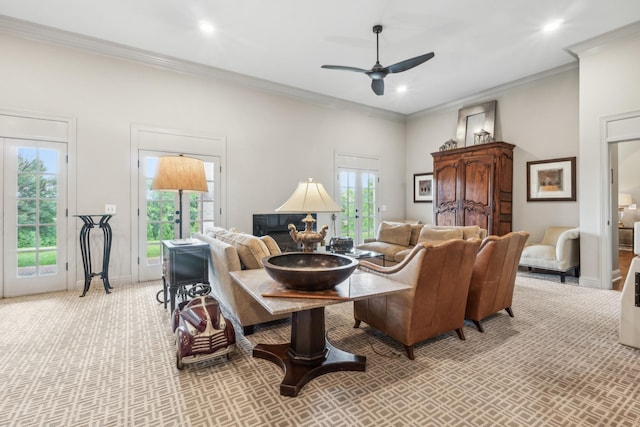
point(233, 251)
point(395, 239)
point(558, 251)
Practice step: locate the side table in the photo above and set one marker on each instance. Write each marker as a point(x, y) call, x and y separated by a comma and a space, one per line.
point(85, 249)
point(625, 237)
point(184, 263)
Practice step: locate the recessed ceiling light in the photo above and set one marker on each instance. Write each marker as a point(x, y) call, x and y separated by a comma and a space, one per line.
point(401, 89)
point(552, 26)
point(206, 27)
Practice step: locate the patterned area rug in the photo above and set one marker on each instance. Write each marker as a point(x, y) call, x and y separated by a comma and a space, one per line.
point(109, 360)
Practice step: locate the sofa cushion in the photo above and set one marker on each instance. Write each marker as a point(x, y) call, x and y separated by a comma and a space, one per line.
point(435, 236)
point(469, 231)
point(214, 231)
point(415, 234)
point(250, 248)
point(401, 255)
point(271, 244)
point(224, 257)
point(397, 234)
point(389, 250)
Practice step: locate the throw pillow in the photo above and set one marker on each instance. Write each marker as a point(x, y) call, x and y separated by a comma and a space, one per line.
point(415, 233)
point(429, 235)
point(470, 231)
point(250, 248)
point(398, 234)
point(273, 247)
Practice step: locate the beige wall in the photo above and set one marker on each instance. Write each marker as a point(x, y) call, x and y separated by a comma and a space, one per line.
point(539, 116)
point(268, 135)
point(273, 141)
point(609, 86)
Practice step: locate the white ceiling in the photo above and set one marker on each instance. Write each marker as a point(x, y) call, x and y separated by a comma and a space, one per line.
point(478, 44)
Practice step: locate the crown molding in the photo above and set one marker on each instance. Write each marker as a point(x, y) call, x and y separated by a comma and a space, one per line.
point(493, 92)
point(41, 33)
point(596, 44)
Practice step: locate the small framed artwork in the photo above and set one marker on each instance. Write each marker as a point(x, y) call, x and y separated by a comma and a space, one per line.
point(552, 180)
point(423, 187)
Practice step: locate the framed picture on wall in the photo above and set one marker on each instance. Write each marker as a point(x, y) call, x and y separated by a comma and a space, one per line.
point(552, 180)
point(423, 187)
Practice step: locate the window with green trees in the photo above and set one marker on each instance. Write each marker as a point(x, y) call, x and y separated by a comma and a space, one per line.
point(37, 207)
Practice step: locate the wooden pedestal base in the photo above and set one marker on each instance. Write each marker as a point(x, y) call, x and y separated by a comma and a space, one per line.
point(309, 354)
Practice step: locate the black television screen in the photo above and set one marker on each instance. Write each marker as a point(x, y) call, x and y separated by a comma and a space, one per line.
point(265, 223)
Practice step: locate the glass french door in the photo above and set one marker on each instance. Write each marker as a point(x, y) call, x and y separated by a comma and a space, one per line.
point(358, 200)
point(34, 203)
point(158, 211)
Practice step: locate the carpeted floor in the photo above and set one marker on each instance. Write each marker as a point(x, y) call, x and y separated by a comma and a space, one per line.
point(108, 360)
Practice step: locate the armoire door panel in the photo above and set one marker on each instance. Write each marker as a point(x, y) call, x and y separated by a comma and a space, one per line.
point(446, 194)
point(446, 183)
point(477, 217)
point(474, 186)
point(446, 217)
point(478, 180)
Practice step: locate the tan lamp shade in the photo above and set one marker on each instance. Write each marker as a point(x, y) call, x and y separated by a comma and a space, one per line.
point(309, 196)
point(176, 173)
point(624, 199)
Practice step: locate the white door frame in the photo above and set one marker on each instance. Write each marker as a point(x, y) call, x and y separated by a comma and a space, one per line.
point(613, 129)
point(154, 138)
point(47, 127)
point(362, 162)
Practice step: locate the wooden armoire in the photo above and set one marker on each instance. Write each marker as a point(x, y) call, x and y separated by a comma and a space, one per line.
point(473, 186)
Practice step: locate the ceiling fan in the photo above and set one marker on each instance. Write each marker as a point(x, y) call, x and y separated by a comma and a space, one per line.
point(378, 72)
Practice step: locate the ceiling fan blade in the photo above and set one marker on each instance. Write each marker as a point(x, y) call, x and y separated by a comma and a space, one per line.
point(407, 64)
point(343, 68)
point(378, 86)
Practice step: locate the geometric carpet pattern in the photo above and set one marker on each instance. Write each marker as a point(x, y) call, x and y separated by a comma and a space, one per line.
point(109, 360)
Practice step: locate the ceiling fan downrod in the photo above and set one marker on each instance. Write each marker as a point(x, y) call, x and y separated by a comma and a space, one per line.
point(377, 29)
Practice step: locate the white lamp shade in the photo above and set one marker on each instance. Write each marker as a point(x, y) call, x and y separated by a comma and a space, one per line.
point(624, 199)
point(309, 196)
point(179, 173)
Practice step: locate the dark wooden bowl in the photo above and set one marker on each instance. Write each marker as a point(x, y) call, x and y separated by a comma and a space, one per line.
point(309, 271)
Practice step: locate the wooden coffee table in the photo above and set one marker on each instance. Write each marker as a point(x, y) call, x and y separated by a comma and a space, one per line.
point(309, 353)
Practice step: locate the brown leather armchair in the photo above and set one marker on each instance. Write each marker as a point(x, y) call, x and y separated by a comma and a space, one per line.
point(440, 278)
point(494, 275)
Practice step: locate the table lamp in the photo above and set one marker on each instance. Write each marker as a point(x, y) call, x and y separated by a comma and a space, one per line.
point(309, 196)
point(624, 200)
point(179, 173)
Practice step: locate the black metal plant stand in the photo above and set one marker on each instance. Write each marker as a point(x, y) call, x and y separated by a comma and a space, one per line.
point(85, 249)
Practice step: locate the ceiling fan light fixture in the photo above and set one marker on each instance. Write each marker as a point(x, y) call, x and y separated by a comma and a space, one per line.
point(378, 72)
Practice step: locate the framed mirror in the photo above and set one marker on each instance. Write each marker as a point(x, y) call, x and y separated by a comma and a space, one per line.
point(472, 119)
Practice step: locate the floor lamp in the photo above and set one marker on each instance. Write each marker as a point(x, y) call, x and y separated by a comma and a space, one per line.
point(179, 173)
point(309, 196)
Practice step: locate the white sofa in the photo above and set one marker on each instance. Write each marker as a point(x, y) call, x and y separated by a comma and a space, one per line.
point(558, 251)
point(233, 251)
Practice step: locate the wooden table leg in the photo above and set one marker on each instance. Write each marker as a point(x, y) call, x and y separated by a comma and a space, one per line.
point(309, 354)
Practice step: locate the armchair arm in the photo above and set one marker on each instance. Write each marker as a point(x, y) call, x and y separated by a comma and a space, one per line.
point(568, 247)
point(370, 267)
point(377, 269)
